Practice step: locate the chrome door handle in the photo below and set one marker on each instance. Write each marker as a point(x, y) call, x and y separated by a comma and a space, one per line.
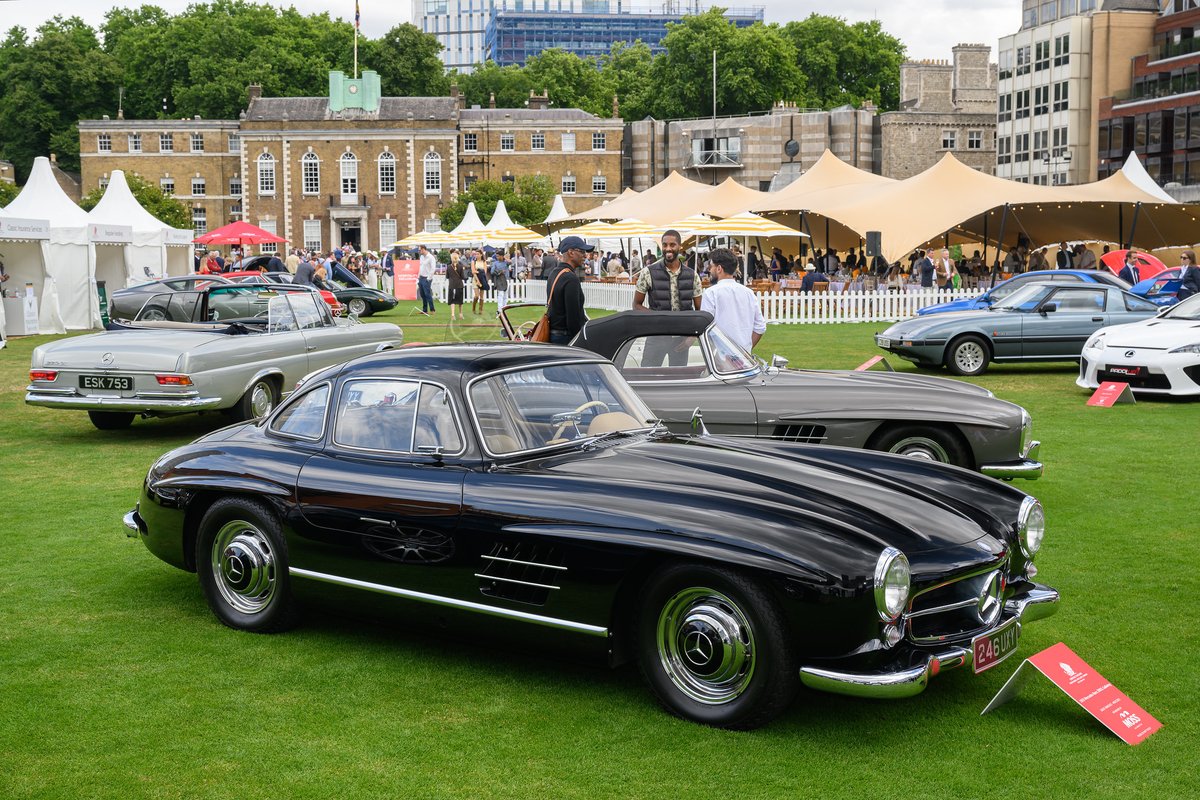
point(1097, 319)
point(310, 348)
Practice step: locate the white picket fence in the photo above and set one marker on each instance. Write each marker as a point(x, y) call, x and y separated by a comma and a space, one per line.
point(778, 307)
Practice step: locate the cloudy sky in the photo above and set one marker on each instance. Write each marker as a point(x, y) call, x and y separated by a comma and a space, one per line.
point(928, 27)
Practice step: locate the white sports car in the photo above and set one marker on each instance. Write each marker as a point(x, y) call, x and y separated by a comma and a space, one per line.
point(1156, 356)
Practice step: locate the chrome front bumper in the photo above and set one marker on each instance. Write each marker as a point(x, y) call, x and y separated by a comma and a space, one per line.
point(1028, 467)
point(1038, 603)
point(70, 399)
point(133, 524)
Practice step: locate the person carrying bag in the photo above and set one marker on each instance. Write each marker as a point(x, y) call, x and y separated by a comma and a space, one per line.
point(541, 331)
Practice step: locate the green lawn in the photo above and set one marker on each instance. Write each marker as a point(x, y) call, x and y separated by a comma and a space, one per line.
point(116, 682)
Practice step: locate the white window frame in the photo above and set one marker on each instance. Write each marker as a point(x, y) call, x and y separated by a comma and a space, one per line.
point(270, 226)
point(166, 186)
point(135, 143)
point(432, 163)
point(599, 184)
point(974, 140)
point(311, 241)
point(508, 143)
point(600, 139)
point(387, 173)
point(470, 143)
point(266, 175)
point(197, 142)
point(199, 220)
point(573, 184)
point(201, 185)
point(388, 233)
point(348, 171)
point(568, 143)
point(310, 174)
point(235, 186)
point(537, 141)
point(235, 143)
point(167, 139)
point(949, 139)
point(103, 143)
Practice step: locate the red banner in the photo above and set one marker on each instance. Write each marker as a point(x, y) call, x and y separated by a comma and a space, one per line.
point(1110, 393)
point(404, 279)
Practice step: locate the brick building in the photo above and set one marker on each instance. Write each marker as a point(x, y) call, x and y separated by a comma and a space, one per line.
point(945, 107)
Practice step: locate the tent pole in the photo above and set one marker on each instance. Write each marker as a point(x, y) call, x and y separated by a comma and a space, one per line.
point(985, 236)
point(999, 244)
point(1137, 209)
point(1121, 225)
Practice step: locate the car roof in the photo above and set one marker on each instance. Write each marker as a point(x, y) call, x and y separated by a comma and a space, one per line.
point(447, 363)
point(606, 335)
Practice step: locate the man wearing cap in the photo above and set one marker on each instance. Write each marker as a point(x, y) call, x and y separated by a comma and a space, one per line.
point(668, 285)
point(564, 291)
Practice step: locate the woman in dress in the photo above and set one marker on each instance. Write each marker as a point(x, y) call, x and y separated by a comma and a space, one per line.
point(479, 278)
point(455, 277)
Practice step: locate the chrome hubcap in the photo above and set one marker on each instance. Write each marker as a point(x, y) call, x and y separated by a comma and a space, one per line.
point(706, 646)
point(969, 356)
point(261, 399)
point(358, 306)
point(154, 314)
point(922, 448)
point(244, 566)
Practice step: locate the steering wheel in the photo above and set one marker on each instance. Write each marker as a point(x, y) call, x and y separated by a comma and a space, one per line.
point(573, 417)
point(525, 329)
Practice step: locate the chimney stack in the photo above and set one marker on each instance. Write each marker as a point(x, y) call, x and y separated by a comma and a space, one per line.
point(253, 92)
point(492, 100)
point(538, 102)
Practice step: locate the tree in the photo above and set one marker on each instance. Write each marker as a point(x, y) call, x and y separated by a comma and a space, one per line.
point(408, 64)
point(571, 81)
point(528, 201)
point(163, 206)
point(864, 63)
point(628, 72)
point(8, 193)
point(510, 86)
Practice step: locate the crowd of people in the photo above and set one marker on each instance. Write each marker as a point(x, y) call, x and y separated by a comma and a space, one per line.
point(308, 266)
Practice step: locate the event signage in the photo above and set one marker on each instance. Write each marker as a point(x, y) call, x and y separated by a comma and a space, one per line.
point(870, 362)
point(404, 278)
point(15, 228)
point(110, 234)
point(1110, 393)
point(1087, 687)
point(177, 236)
point(29, 309)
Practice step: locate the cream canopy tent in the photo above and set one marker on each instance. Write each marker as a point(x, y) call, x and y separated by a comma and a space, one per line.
point(672, 198)
point(157, 250)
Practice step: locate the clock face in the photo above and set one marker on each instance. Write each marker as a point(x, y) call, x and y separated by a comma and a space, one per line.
point(353, 89)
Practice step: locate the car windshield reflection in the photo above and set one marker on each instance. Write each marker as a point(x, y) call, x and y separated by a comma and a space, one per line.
point(1187, 310)
point(1027, 298)
point(727, 355)
point(552, 405)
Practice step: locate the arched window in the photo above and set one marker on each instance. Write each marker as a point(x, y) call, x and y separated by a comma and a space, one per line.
point(433, 173)
point(387, 173)
point(349, 165)
point(266, 174)
point(310, 170)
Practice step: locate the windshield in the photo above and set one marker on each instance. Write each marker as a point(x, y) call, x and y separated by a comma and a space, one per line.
point(534, 408)
point(1188, 309)
point(1026, 298)
point(727, 355)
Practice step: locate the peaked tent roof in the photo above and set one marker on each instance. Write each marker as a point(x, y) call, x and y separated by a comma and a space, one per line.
point(500, 218)
point(666, 201)
point(470, 221)
point(43, 198)
point(118, 206)
point(1137, 175)
point(557, 211)
point(829, 173)
point(730, 197)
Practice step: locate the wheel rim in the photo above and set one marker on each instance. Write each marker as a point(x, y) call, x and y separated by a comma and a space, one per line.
point(154, 315)
point(262, 399)
point(921, 447)
point(706, 646)
point(969, 356)
point(244, 567)
point(358, 306)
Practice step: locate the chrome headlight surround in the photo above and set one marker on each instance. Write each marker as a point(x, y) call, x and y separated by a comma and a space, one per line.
point(1096, 342)
point(1191, 349)
point(1031, 527)
point(1026, 431)
point(893, 581)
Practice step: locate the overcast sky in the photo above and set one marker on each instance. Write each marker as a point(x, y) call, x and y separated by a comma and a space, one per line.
point(929, 28)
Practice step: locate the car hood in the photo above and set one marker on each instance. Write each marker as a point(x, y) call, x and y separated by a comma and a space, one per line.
point(129, 349)
point(965, 304)
point(919, 327)
point(1154, 334)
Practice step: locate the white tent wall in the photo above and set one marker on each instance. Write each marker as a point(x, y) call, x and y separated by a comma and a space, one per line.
point(69, 264)
point(113, 266)
point(24, 251)
point(179, 260)
point(154, 247)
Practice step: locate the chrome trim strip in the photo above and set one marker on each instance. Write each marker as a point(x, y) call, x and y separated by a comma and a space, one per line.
point(135, 404)
point(450, 602)
point(943, 609)
point(375, 521)
point(524, 563)
point(1026, 470)
point(485, 576)
point(133, 524)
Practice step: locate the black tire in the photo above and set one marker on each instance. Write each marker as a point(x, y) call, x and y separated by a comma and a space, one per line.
point(925, 442)
point(152, 314)
point(111, 420)
point(258, 401)
point(241, 560)
point(689, 608)
point(358, 307)
point(968, 355)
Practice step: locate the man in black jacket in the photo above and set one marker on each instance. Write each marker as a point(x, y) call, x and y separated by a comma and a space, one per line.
point(564, 292)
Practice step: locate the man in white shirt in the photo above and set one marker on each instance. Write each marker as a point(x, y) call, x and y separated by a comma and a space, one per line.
point(425, 280)
point(735, 309)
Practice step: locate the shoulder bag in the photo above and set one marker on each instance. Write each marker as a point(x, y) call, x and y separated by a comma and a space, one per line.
point(541, 331)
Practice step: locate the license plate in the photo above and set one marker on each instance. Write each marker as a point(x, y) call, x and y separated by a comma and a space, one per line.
point(1131, 371)
point(883, 341)
point(116, 383)
point(992, 648)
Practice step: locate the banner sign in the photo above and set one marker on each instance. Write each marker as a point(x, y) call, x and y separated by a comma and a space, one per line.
point(14, 228)
point(110, 234)
point(29, 307)
point(404, 278)
point(1110, 393)
point(177, 236)
point(1087, 687)
point(870, 362)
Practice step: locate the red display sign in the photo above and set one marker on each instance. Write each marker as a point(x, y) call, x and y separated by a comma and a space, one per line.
point(1110, 393)
point(870, 362)
point(1087, 687)
point(404, 279)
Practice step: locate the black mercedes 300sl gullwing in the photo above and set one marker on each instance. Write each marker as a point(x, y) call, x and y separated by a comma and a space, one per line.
point(520, 488)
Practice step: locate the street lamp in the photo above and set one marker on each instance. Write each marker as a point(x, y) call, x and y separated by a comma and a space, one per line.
point(1051, 159)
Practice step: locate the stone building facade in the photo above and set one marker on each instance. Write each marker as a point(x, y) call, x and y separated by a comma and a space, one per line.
point(945, 107)
point(353, 166)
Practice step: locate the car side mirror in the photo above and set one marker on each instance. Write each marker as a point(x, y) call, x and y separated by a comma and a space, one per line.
point(1046, 309)
point(778, 362)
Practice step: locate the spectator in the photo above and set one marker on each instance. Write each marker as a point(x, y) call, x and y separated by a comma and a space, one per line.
point(428, 266)
point(479, 281)
point(735, 309)
point(1130, 272)
point(565, 293)
point(925, 269)
point(293, 261)
point(305, 273)
point(668, 285)
point(1189, 275)
point(455, 281)
point(499, 276)
point(1064, 259)
point(1084, 258)
point(211, 264)
point(812, 276)
point(275, 264)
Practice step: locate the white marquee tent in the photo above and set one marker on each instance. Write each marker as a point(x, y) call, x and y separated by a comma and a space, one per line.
point(155, 250)
point(24, 250)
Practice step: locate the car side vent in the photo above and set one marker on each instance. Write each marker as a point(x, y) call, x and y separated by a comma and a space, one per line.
point(803, 434)
point(521, 573)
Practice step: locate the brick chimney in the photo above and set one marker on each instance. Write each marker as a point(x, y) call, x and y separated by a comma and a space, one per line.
point(538, 102)
point(253, 92)
point(460, 101)
point(616, 108)
point(492, 100)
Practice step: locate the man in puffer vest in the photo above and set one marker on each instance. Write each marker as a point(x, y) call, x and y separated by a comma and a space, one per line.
point(668, 285)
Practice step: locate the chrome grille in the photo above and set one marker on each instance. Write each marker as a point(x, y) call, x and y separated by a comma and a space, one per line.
point(522, 573)
point(956, 609)
point(802, 434)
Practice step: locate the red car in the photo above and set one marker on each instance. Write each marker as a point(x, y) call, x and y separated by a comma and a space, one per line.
point(254, 276)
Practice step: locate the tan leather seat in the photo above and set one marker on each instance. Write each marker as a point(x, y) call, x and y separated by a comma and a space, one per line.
point(611, 421)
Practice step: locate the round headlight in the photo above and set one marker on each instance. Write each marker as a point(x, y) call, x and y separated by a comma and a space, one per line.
point(1031, 526)
point(892, 581)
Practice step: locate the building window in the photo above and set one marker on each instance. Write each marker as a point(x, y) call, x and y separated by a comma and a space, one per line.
point(198, 187)
point(1040, 143)
point(312, 234)
point(1004, 150)
point(949, 139)
point(1041, 56)
point(568, 184)
point(387, 173)
point(974, 140)
point(1060, 96)
point(1006, 64)
point(104, 143)
point(599, 184)
point(103, 183)
point(1004, 108)
point(1041, 100)
point(508, 142)
point(1023, 60)
point(199, 221)
point(433, 225)
point(537, 141)
point(387, 233)
point(135, 143)
point(166, 143)
point(568, 143)
point(167, 185)
point(268, 225)
point(1062, 50)
point(468, 182)
point(1021, 147)
point(433, 173)
point(235, 143)
point(235, 186)
point(349, 169)
point(1022, 111)
point(598, 141)
point(197, 143)
point(310, 174)
point(470, 142)
point(266, 174)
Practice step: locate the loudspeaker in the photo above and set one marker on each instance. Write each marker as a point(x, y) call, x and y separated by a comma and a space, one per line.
point(874, 243)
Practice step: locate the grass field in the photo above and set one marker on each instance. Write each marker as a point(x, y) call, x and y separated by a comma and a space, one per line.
point(116, 681)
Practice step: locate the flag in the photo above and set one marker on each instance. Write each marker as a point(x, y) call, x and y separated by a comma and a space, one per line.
point(355, 14)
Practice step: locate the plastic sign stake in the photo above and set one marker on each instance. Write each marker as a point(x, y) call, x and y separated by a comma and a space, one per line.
point(870, 362)
point(1085, 686)
point(1110, 393)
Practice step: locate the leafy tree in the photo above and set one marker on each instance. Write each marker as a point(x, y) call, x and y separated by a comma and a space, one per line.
point(628, 72)
point(571, 81)
point(8, 193)
point(846, 63)
point(528, 201)
point(408, 63)
point(510, 85)
point(163, 206)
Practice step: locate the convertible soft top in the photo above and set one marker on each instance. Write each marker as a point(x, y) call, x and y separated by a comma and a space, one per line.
point(606, 335)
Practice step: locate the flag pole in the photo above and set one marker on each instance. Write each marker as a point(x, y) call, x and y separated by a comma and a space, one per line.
point(356, 39)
